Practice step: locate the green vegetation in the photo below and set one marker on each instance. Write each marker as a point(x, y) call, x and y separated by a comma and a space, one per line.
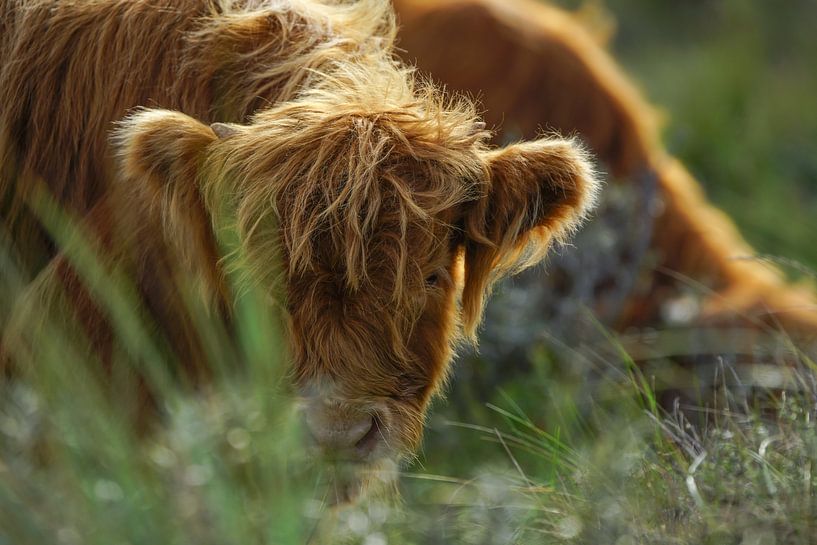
point(554, 450)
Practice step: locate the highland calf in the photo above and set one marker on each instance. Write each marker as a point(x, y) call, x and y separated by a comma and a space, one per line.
point(371, 207)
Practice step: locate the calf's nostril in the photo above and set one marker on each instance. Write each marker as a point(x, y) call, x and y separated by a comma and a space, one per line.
point(359, 430)
point(368, 442)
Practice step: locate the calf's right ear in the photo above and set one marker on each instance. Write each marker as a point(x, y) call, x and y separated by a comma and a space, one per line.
point(160, 154)
point(163, 149)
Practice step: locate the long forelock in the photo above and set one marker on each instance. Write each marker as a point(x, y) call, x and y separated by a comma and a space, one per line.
point(363, 162)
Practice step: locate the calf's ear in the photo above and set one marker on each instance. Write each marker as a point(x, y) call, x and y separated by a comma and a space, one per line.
point(160, 155)
point(537, 192)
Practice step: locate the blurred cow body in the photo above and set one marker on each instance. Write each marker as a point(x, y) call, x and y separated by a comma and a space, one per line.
point(535, 66)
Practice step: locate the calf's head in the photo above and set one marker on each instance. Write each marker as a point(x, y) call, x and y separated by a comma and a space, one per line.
point(382, 220)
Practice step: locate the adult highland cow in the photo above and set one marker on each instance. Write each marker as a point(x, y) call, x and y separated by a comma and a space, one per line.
point(363, 195)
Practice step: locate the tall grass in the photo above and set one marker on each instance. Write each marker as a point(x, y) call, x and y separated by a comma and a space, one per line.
point(219, 464)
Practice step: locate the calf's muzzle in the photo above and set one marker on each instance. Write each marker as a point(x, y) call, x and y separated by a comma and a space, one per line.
point(342, 433)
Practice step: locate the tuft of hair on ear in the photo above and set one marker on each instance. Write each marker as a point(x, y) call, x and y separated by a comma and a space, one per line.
point(538, 192)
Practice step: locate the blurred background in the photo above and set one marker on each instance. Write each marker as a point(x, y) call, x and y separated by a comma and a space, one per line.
point(737, 82)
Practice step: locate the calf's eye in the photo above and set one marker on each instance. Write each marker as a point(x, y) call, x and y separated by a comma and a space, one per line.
point(432, 280)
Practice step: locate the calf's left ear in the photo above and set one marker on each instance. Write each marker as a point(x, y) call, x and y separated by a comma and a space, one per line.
point(537, 192)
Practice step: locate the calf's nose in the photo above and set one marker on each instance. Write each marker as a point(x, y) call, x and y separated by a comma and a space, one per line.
point(339, 431)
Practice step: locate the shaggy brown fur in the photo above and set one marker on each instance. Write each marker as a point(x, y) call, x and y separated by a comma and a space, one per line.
point(534, 65)
point(358, 195)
